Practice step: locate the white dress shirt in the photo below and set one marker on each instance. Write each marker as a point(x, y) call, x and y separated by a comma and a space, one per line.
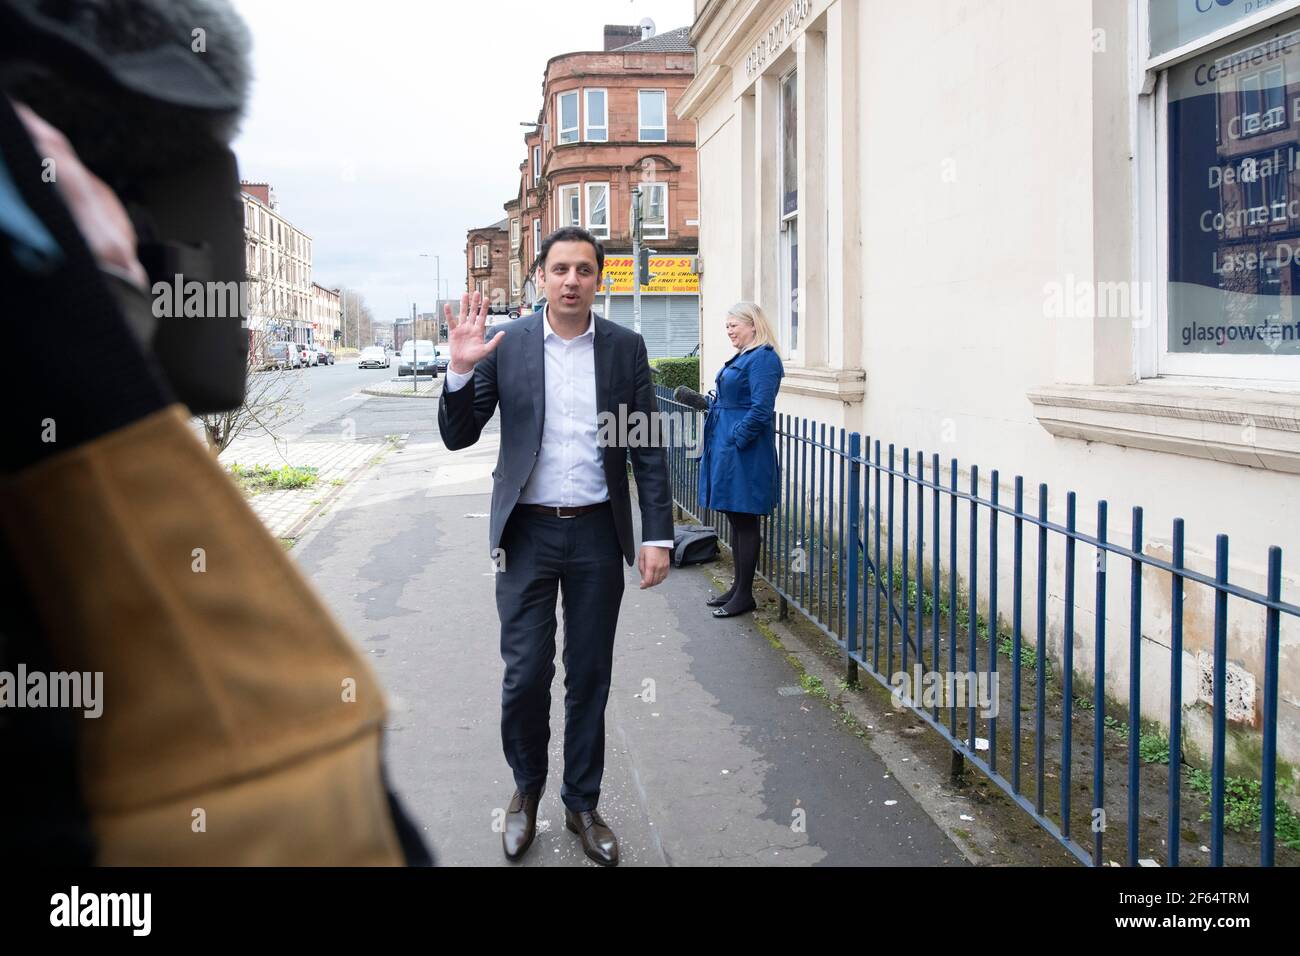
point(570, 468)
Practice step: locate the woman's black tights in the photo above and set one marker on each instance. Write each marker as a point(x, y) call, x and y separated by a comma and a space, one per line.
point(744, 553)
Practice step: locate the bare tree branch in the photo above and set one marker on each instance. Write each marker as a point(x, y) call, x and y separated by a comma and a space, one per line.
point(270, 394)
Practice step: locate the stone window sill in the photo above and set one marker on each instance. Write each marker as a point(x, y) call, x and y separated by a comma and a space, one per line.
point(1252, 427)
point(839, 384)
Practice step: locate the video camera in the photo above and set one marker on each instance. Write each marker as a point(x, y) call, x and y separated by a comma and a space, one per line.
point(149, 93)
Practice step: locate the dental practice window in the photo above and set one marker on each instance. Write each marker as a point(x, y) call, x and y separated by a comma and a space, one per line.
point(1228, 179)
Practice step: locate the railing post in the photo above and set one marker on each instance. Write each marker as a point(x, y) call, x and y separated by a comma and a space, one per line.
point(958, 762)
point(1099, 695)
point(1135, 689)
point(855, 527)
point(1176, 695)
point(956, 765)
point(1268, 794)
point(1218, 741)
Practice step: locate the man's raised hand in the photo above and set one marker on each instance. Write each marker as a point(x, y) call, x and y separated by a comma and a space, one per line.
point(465, 334)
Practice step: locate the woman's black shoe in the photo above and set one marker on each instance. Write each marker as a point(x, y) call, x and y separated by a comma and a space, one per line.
point(722, 598)
point(726, 612)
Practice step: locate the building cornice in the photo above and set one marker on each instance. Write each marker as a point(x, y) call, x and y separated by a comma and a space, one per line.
point(705, 18)
point(614, 169)
point(746, 25)
point(558, 85)
point(702, 90)
point(561, 148)
point(559, 57)
point(717, 48)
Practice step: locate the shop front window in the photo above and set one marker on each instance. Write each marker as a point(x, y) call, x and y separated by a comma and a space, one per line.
point(1232, 190)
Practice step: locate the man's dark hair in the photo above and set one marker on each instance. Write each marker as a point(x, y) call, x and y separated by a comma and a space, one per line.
point(570, 234)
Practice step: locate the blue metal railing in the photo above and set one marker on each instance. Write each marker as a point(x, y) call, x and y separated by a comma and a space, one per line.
point(818, 556)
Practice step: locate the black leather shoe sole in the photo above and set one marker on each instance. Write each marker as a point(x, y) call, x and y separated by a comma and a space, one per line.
point(591, 856)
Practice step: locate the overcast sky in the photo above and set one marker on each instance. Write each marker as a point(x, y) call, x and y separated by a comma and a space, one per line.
point(389, 128)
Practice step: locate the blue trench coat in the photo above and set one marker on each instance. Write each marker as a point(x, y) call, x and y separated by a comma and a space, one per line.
point(738, 468)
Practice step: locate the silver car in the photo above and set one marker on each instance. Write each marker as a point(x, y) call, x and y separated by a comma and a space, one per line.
point(418, 356)
point(281, 355)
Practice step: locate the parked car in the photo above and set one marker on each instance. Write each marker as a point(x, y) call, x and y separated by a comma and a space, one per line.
point(280, 355)
point(418, 356)
point(443, 353)
point(307, 353)
point(324, 356)
point(373, 357)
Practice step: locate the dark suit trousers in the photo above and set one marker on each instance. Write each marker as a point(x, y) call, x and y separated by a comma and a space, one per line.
point(579, 558)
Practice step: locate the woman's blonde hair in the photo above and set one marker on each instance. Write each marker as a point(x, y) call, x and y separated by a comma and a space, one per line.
point(752, 313)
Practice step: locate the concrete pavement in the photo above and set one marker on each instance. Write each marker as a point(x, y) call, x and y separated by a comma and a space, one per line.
point(323, 434)
point(714, 754)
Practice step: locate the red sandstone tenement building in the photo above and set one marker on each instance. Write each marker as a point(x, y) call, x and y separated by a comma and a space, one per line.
point(487, 263)
point(608, 123)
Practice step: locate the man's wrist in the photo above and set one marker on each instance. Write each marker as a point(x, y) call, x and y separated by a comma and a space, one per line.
point(460, 371)
point(455, 381)
point(657, 544)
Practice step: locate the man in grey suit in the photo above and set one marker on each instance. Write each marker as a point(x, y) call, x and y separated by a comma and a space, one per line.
point(561, 515)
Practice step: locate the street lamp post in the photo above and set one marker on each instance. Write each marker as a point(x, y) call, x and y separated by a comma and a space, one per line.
point(415, 352)
point(635, 218)
point(437, 292)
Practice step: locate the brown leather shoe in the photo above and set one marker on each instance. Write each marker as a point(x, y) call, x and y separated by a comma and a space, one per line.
point(521, 824)
point(598, 840)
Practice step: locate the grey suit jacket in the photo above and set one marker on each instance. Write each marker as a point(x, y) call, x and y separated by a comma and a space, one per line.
point(513, 378)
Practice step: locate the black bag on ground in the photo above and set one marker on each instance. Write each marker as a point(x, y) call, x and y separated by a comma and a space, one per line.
point(694, 544)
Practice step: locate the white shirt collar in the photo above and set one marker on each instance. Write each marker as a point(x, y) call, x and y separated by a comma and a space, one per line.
point(548, 331)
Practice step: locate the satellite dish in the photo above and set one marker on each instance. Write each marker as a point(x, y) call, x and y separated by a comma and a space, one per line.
point(647, 28)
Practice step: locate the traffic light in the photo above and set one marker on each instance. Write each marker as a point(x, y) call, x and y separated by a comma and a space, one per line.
point(643, 276)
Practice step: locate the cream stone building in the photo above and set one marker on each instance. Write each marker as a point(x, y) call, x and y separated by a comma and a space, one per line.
point(278, 255)
point(1032, 236)
point(326, 316)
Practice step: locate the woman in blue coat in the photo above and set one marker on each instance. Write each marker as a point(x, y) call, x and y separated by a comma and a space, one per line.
point(738, 469)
